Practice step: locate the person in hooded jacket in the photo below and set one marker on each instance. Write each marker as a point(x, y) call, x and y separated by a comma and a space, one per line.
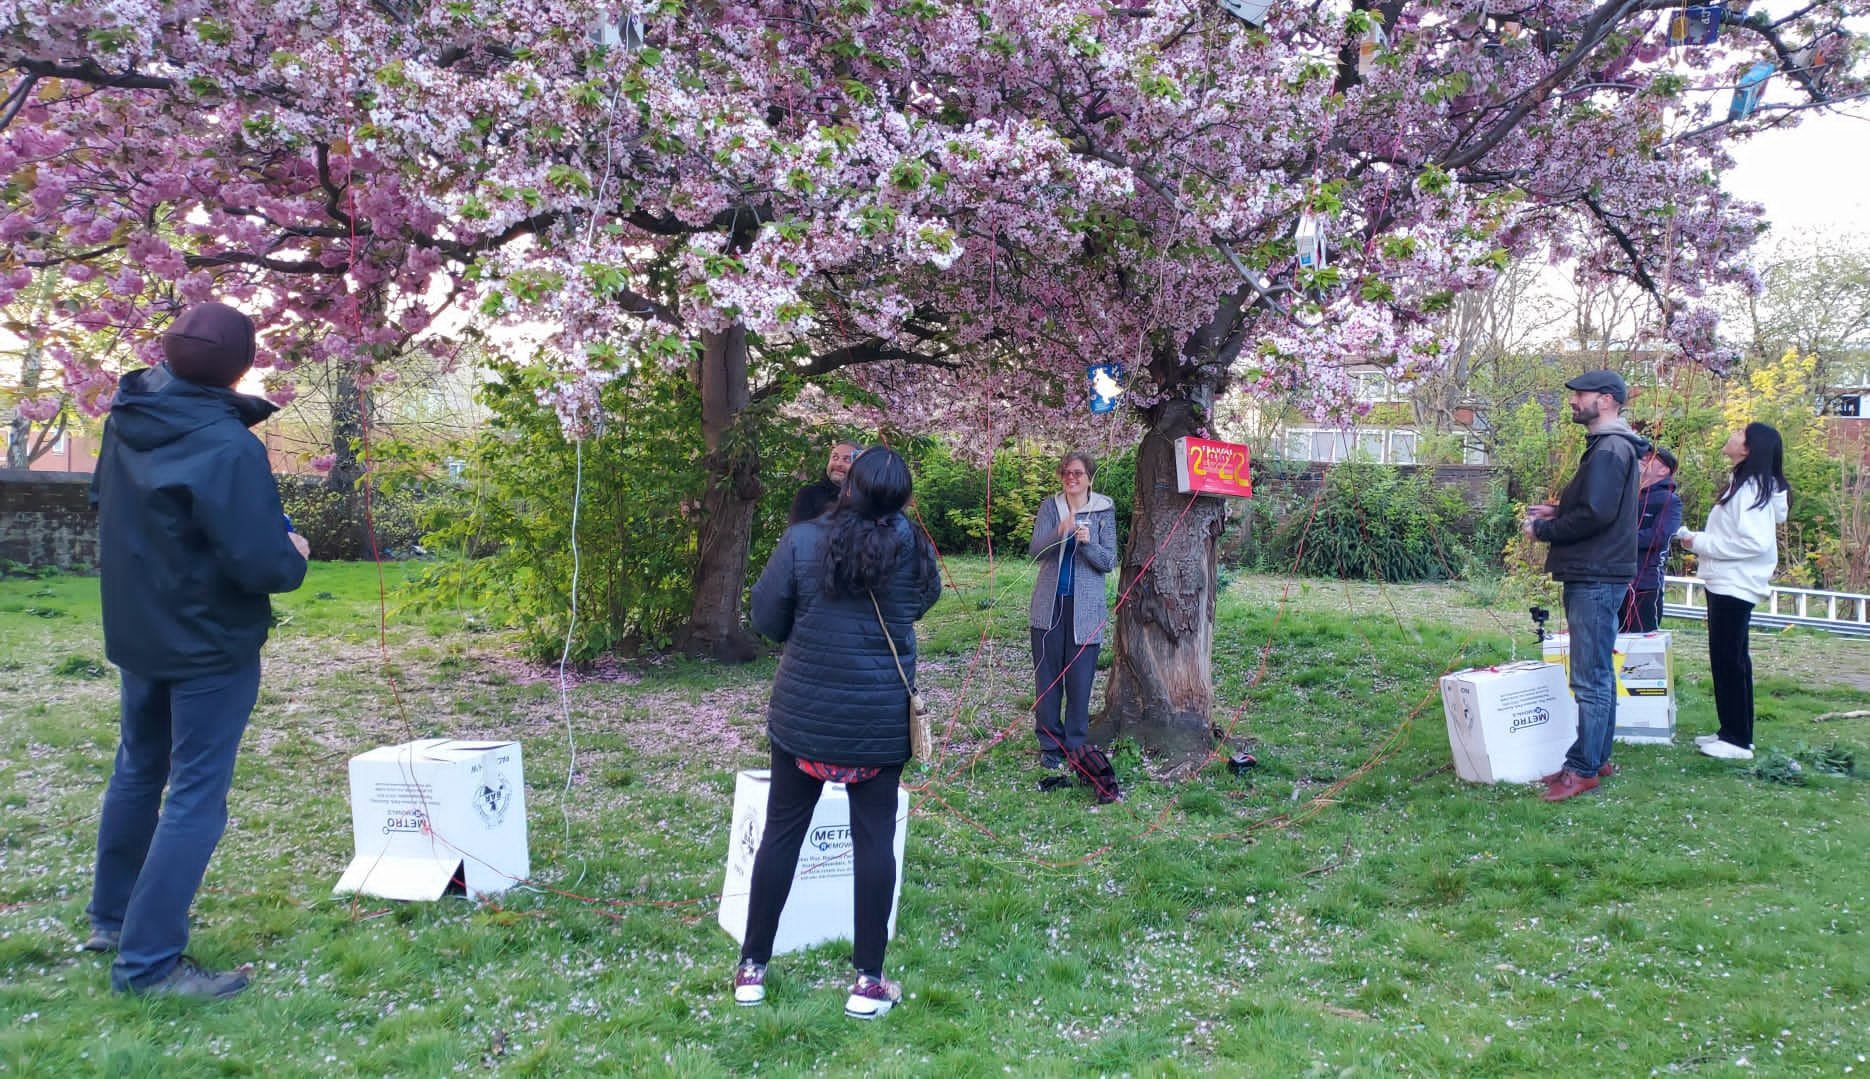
point(839, 710)
point(1656, 524)
point(1735, 555)
point(1074, 540)
point(820, 495)
point(191, 541)
point(1592, 533)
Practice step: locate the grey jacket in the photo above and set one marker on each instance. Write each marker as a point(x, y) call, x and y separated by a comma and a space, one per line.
point(837, 697)
point(1593, 536)
point(1093, 560)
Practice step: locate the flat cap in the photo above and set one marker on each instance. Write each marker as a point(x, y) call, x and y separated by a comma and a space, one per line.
point(1609, 382)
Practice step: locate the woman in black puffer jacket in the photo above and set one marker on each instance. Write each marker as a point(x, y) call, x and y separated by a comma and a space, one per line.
point(839, 710)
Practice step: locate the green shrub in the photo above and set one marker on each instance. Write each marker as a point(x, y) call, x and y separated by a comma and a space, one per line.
point(952, 495)
point(502, 537)
point(337, 526)
point(1373, 523)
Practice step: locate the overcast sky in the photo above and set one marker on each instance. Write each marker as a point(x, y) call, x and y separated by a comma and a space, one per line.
point(1813, 177)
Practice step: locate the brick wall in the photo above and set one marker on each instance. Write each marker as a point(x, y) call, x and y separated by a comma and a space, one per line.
point(46, 518)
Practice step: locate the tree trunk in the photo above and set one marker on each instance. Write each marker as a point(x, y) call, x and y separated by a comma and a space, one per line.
point(728, 504)
point(19, 447)
point(346, 478)
point(1161, 688)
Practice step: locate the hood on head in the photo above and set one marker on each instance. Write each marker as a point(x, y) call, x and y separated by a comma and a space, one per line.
point(210, 344)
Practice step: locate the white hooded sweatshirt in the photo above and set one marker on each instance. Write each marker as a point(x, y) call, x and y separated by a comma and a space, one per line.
point(1739, 549)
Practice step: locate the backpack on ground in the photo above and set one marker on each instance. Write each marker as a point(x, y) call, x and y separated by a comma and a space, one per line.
point(1088, 766)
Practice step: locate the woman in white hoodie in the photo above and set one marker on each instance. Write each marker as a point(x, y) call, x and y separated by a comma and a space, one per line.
point(1736, 555)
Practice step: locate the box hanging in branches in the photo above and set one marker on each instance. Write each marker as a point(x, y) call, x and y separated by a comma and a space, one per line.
point(1747, 94)
point(1251, 12)
point(1206, 467)
point(435, 814)
point(1694, 26)
point(1309, 238)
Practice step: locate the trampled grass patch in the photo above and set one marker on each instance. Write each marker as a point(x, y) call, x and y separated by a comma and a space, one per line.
point(1318, 914)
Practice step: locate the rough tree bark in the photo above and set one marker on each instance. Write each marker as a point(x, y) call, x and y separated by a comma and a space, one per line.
point(346, 479)
point(715, 628)
point(1161, 686)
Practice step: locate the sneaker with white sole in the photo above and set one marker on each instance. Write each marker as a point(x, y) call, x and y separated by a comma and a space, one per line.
point(1706, 739)
point(750, 983)
point(1726, 751)
point(872, 997)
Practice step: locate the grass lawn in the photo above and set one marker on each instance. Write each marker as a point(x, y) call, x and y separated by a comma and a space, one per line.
point(1349, 908)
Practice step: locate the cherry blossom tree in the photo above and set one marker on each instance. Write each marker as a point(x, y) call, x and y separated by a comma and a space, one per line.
point(955, 204)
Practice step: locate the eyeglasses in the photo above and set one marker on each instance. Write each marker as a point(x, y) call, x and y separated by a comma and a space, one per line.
point(1074, 473)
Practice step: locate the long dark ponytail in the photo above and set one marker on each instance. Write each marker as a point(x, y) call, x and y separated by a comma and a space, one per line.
point(1763, 466)
point(868, 535)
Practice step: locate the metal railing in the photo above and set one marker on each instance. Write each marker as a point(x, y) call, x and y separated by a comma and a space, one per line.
point(1836, 612)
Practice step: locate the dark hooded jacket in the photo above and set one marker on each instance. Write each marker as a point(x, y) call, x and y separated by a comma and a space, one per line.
point(1661, 515)
point(837, 696)
point(1593, 534)
point(813, 499)
point(191, 536)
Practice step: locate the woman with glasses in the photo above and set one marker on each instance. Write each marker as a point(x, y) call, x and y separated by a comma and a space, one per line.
point(1074, 541)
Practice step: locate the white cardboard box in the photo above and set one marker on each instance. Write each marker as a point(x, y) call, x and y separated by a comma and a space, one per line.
point(1645, 684)
point(819, 907)
point(1509, 724)
point(428, 812)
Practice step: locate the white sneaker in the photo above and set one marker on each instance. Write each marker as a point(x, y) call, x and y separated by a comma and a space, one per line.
point(1726, 751)
point(1706, 739)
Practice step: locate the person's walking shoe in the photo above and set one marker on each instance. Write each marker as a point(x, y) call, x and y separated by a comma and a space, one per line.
point(872, 997)
point(1051, 761)
point(190, 980)
point(1569, 785)
point(1709, 739)
point(1726, 751)
point(102, 940)
point(1603, 772)
point(750, 983)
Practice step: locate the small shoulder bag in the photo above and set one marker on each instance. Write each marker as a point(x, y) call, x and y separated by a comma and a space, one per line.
point(921, 738)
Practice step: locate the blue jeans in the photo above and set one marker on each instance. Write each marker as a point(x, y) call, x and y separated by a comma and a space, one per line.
point(151, 854)
point(1591, 616)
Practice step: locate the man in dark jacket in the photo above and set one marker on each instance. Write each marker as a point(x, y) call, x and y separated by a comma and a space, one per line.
point(1660, 516)
point(191, 540)
point(814, 499)
point(1592, 532)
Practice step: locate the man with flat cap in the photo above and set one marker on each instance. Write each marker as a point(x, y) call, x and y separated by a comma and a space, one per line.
point(1592, 533)
point(191, 541)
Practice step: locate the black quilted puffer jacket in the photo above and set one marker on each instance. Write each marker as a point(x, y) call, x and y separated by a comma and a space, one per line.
point(837, 697)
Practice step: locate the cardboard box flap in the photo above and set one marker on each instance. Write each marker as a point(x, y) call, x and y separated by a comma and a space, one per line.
point(414, 879)
point(467, 747)
point(404, 752)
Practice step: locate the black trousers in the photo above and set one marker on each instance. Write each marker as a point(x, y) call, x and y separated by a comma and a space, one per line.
point(1732, 667)
point(1642, 612)
point(790, 800)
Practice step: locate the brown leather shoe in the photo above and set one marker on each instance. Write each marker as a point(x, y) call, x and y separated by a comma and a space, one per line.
point(1568, 785)
point(1604, 772)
